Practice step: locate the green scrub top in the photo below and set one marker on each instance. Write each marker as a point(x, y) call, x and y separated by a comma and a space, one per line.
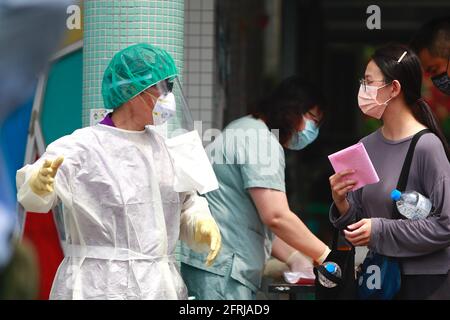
point(245, 155)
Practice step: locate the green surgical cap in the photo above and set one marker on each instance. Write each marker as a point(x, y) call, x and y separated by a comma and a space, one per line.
point(133, 70)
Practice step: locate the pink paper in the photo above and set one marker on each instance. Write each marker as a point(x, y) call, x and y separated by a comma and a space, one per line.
point(355, 157)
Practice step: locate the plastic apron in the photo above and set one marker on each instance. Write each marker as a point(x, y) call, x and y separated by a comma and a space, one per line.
point(121, 216)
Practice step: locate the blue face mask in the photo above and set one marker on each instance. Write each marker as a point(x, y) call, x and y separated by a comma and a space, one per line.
point(442, 81)
point(305, 137)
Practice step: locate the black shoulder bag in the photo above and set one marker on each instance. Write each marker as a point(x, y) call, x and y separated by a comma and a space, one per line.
point(379, 277)
point(345, 286)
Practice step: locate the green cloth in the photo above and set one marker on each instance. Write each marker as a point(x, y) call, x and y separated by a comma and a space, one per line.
point(245, 155)
point(133, 70)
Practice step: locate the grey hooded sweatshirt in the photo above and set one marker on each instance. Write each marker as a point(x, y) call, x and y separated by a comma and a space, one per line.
point(421, 245)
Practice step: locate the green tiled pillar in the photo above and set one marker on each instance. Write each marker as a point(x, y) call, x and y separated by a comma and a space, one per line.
point(111, 25)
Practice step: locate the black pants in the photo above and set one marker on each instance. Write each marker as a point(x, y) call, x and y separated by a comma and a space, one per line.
point(425, 287)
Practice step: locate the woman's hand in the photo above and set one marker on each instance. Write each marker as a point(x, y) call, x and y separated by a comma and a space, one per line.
point(359, 234)
point(340, 187)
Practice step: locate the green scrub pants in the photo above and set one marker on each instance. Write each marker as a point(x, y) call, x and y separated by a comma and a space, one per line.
point(204, 285)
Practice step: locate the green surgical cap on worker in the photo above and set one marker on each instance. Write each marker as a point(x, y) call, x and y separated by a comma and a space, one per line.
point(133, 70)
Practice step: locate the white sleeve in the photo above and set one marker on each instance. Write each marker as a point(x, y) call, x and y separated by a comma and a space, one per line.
point(194, 207)
point(43, 204)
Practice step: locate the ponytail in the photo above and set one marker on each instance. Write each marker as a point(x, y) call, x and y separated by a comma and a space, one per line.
point(425, 116)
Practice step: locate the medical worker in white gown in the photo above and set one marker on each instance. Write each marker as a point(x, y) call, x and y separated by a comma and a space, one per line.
point(128, 192)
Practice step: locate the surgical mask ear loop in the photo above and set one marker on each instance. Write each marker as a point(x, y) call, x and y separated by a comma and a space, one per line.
point(154, 100)
point(145, 102)
point(387, 101)
point(398, 61)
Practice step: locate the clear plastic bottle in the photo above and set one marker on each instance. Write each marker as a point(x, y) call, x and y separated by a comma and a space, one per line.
point(412, 204)
point(332, 268)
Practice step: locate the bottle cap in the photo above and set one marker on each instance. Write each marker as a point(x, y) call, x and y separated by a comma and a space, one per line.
point(395, 194)
point(330, 267)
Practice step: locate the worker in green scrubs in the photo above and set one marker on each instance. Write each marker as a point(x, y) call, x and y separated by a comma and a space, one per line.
point(250, 205)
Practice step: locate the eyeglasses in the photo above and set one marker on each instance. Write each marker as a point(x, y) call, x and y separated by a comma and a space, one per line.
point(366, 83)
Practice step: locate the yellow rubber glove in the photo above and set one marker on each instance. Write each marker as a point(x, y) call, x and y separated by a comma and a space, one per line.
point(43, 179)
point(206, 231)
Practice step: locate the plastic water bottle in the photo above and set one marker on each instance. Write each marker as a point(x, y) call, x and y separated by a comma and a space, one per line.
point(332, 268)
point(412, 204)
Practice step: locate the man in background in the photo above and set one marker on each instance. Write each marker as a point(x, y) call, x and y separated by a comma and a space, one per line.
point(432, 45)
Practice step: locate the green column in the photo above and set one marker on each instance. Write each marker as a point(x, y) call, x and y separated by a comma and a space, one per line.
point(111, 25)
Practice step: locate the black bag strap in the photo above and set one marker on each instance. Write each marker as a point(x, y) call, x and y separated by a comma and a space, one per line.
point(403, 179)
point(335, 239)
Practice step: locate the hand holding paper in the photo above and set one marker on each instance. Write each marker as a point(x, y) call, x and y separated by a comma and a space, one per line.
point(355, 158)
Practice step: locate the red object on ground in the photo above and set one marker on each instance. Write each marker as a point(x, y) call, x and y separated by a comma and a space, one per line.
point(306, 282)
point(40, 230)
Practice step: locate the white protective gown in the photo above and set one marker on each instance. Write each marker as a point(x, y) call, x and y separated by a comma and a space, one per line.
point(121, 215)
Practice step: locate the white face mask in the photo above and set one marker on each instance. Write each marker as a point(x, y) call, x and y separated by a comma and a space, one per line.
point(164, 109)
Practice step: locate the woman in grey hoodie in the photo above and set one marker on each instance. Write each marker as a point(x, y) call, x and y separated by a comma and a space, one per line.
point(391, 91)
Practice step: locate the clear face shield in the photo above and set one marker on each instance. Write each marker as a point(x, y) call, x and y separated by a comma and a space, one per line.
point(171, 113)
point(173, 120)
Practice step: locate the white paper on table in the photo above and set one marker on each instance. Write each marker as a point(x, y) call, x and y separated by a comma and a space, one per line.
point(295, 277)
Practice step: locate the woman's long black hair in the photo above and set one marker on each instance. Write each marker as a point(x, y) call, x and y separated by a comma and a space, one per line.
point(409, 73)
point(284, 108)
